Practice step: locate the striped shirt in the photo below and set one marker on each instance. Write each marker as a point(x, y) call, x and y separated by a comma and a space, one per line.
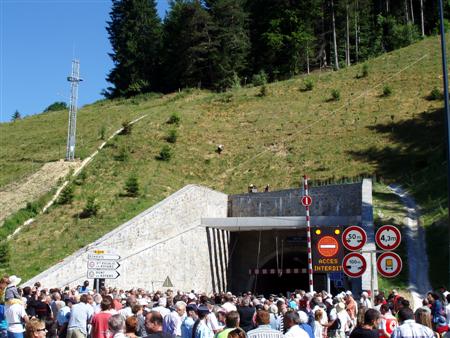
point(411, 329)
point(264, 331)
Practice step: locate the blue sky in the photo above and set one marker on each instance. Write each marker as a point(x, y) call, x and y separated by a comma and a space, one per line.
point(38, 40)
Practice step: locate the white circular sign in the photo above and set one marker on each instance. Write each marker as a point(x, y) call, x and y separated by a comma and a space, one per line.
point(389, 264)
point(354, 265)
point(354, 238)
point(388, 237)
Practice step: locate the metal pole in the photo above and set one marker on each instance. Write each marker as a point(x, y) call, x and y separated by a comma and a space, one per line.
point(308, 236)
point(328, 283)
point(447, 115)
point(372, 273)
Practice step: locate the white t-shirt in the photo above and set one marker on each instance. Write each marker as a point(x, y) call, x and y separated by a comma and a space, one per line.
point(296, 332)
point(212, 322)
point(345, 320)
point(14, 314)
point(447, 312)
point(318, 329)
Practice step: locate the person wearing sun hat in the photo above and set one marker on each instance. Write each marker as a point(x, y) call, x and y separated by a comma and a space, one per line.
point(341, 322)
point(11, 293)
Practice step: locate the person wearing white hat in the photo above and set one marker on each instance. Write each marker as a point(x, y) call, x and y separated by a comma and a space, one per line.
point(365, 300)
point(11, 290)
point(341, 322)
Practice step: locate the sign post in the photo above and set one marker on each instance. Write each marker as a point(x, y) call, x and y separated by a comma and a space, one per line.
point(102, 265)
point(306, 201)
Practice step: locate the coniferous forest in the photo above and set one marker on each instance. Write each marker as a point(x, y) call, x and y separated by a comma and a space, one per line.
point(221, 44)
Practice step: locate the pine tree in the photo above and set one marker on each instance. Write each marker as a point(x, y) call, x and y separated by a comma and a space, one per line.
point(231, 33)
point(189, 47)
point(135, 35)
point(4, 254)
point(16, 116)
point(132, 186)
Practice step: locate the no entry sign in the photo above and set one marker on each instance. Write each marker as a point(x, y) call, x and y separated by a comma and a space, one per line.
point(389, 264)
point(327, 251)
point(328, 246)
point(354, 265)
point(388, 237)
point(354, 238)
point(306, 201)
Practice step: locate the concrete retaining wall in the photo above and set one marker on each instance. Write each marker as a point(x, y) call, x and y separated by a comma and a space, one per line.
point(330, 200)
point(165, 240)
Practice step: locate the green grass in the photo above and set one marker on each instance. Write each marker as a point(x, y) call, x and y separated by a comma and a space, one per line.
point(388, 209)
point(272, 139)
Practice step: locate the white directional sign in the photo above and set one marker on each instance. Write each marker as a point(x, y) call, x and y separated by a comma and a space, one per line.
point(102, 264)
point(354, 265)
point(354, 238)
point(389, 264)
point(388, 237)
point(105, 256)
point(105, 274)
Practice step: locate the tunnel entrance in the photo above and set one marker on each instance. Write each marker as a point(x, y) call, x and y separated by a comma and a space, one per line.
point(293, 274)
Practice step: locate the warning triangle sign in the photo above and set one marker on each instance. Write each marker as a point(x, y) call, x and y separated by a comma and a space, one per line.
point(167, 283)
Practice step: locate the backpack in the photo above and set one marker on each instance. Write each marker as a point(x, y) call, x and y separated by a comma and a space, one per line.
point(336, 324)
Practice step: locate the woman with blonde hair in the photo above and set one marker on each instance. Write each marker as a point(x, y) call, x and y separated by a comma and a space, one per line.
point(423, 316)
point(35, 328)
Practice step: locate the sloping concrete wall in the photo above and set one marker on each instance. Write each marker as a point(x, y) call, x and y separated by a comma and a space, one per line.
point(165, 240)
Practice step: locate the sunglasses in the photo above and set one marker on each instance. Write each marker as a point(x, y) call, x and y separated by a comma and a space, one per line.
point(44, 329)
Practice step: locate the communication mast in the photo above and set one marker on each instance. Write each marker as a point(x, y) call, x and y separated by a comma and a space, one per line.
point(74, 79)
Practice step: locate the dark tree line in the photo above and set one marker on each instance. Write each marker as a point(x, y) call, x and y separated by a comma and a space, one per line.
point(219, 44)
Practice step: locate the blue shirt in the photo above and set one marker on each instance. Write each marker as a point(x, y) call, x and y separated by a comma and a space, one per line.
point(186, 327)
point(308, 329)
point(203, 331)
point(3, 322)
point(80, 316)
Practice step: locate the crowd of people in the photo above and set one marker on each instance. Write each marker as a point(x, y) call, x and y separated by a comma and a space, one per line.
point(81, 312)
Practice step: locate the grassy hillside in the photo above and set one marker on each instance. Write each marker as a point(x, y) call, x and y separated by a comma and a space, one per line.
point(270, 136)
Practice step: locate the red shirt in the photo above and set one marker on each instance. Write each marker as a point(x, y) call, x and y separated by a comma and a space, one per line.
point(100, 325)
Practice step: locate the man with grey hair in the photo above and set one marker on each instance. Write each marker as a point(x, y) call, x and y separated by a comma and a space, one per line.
point(162, 307)
point(116, 324)
point(172, 321)
point(293, 330)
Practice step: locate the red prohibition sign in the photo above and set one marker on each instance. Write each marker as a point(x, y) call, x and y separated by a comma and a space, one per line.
point(354, 265)
point(354, 238)
point(389, 264)
point(328, 246)
point(306, 200)
point(388, 237)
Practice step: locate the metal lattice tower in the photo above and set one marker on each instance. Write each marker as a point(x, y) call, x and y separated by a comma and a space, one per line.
point(74, 79)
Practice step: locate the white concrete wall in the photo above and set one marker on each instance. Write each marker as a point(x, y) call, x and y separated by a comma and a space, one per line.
point(165, 240)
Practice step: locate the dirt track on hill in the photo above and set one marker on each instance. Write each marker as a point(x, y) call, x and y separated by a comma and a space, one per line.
point(16, 195)
point(419, 283)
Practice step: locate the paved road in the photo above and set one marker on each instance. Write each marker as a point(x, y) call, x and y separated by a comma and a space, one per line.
point(413, 232)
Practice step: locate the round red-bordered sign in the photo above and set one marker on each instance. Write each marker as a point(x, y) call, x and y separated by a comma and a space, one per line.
point(388, 237)
point(328, 246)
point(354, 265)
point(389, 264)
point(306, 200)
point(354, 238)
